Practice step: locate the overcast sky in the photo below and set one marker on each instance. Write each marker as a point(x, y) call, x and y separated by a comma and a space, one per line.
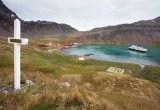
point(86, 14)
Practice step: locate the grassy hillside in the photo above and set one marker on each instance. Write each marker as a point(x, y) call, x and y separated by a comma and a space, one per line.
point(62, 82)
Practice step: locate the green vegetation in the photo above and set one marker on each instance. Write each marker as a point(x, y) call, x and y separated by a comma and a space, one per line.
point(97, 89)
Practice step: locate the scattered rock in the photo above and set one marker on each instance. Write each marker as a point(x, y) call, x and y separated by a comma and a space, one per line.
point(88, 85)
point(69, 78)
point(29, 83)
point(5, 91)
point(10, 87)
point(130, 71)
point(7, 88)
point(66, 84)
point(50, 51)
point(123, 92)
point(108, 89)
point(142, 66)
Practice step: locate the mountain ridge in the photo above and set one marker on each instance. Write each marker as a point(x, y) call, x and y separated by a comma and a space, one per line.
point(141, 32)
point(30, 28)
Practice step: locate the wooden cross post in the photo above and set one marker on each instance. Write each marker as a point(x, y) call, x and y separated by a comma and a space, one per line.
point(17, 41)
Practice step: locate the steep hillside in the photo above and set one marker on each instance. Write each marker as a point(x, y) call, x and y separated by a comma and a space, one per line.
point(142, 32)
point(30, 28)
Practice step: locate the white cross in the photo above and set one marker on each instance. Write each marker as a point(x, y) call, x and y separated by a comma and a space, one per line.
point(17, 41)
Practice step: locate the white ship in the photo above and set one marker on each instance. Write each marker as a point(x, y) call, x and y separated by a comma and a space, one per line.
point(137, 48)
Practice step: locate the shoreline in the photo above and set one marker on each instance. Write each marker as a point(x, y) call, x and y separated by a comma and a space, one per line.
point(156, 63)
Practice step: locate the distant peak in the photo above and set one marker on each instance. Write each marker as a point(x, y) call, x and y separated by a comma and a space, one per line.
point(6, 11)
point(157, 19)
point(1, 1)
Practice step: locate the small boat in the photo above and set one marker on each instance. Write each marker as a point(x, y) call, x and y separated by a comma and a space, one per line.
point(137, 48)
point(88, 54)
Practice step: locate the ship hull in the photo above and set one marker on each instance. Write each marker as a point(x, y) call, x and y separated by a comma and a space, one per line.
point(138, 50)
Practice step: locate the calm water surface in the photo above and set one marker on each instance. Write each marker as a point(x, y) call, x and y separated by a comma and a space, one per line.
point(118, 53)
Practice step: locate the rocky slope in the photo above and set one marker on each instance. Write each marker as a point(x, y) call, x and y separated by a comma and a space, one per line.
point(30, 28)
point(141, 32)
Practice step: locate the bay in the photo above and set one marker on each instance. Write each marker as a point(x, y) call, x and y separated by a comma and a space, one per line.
point(117, 53)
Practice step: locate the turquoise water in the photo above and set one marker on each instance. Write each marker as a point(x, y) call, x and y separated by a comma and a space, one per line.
point(118, 53)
